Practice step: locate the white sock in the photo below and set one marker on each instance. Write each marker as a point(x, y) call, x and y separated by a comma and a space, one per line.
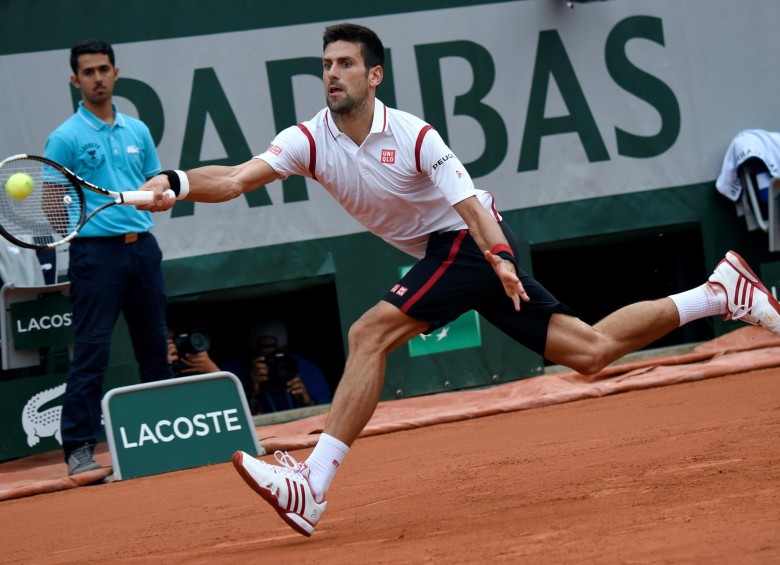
point(324, 461)
point(699, 302)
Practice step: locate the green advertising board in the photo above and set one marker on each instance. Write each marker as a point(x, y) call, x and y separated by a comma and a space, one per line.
point(176, 424)
point(30, 410)
point(44, 322)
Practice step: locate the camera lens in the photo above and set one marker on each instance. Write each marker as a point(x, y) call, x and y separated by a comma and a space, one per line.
point(199, 342)
point(192, 343)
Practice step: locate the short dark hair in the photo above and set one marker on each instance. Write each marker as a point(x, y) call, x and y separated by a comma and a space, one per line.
point(370, 45)
point(90, 46)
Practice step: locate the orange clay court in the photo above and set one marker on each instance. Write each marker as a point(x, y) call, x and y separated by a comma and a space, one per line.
point(666, 460)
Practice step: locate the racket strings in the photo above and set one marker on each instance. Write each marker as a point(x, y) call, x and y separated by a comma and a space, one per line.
point(52, 209)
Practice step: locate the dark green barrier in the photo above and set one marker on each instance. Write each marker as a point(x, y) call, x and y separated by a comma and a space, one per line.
point(31, 408)
point(177, 424)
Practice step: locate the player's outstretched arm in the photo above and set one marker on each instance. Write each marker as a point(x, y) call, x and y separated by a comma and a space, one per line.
point(213, 183)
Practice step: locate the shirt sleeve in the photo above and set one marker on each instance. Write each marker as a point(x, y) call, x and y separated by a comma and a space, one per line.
point(445, 170)
point(289, 153)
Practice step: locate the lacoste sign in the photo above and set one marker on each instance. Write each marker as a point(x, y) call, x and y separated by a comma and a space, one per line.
point(182, 428)
point(177, 424)
point(47, 321)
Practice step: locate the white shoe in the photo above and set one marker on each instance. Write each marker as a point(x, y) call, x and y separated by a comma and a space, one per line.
point(285, 487)
point(747, 298)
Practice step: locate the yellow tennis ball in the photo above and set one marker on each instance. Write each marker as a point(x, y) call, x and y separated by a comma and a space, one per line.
point(19, 186)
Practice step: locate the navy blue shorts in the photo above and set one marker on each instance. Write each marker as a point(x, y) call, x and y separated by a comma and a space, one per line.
point(454, 277)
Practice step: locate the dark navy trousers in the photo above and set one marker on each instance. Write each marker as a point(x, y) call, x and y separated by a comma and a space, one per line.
point(108, 276)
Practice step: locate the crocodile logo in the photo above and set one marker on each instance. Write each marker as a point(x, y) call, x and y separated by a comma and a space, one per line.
point(38, 423)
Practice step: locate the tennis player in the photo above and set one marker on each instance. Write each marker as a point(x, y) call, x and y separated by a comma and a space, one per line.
point(394, 174)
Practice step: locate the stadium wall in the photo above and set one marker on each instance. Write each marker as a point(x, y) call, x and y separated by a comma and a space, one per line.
point(593, 123)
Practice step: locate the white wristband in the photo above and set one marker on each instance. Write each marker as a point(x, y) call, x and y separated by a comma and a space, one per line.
point(184, 184)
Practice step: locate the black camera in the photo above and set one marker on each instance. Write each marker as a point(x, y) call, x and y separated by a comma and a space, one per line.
point(281, 368)
point(194, 342)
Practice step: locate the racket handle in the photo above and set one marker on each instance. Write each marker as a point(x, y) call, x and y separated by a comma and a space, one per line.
point(142, 196)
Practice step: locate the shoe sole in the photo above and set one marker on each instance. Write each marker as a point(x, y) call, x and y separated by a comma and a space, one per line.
point(238, 463)
point(744, 269)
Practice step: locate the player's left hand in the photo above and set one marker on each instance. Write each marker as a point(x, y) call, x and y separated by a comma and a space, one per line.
point(505, 270)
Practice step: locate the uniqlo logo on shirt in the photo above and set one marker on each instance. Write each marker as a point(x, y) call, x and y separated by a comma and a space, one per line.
point(388, 156)
point(399, 290)
point(275, 149)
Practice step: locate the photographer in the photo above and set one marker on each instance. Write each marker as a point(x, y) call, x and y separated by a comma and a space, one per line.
point(279, 379)
point(188, 353)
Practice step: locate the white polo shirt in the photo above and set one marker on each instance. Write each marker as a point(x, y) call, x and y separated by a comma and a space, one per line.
point(401, 183)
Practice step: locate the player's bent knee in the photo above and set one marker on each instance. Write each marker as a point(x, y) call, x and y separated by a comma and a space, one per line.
point(363, 334)
point(586, 361)
point(588, 368)
point(380, 329)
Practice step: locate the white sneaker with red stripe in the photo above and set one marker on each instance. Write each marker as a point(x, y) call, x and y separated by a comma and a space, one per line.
point(748, 299)
point(285, 487)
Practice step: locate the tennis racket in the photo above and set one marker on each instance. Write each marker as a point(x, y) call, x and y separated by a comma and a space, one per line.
point(55, 210)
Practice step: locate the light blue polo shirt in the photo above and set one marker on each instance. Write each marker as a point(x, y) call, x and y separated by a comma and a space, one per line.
point(117, 157)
